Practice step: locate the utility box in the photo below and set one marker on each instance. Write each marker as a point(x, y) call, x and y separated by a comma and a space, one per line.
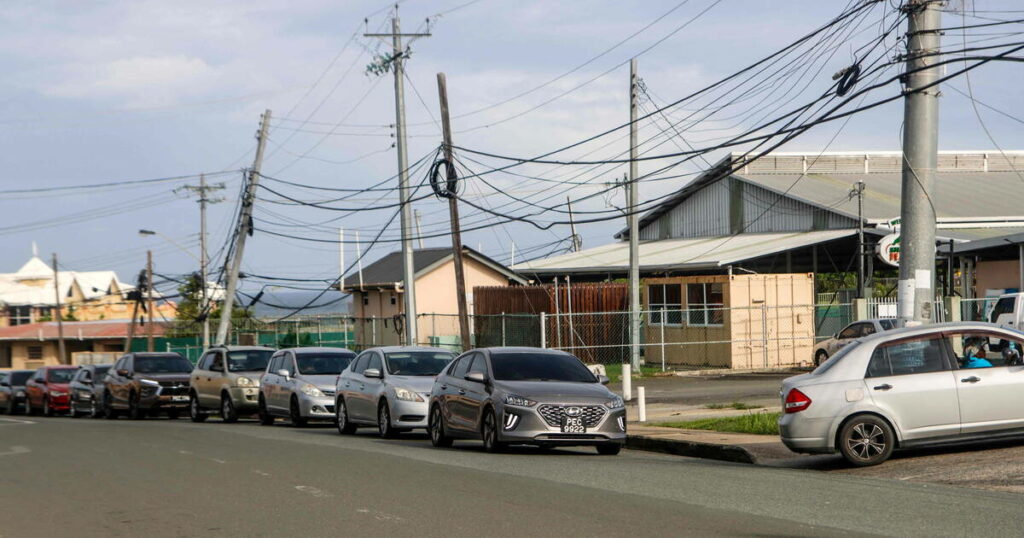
point(729, 321)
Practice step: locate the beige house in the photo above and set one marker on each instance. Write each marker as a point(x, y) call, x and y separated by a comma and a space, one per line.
point(377, 300)
point(34, 345)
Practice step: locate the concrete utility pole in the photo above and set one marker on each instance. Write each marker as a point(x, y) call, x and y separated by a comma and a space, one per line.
point(203, 191)
point(576, 242)
point(149, 302)
point(634, 225)
point(453, 213)
point(61, 354)
point(419, 228)
point(244, 229)
point(858, 191)
point(408, 269)
point(920, 160)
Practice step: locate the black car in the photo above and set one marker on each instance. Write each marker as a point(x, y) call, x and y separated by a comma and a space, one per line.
point(86, 390)
point(12, 390)
point(144, 384)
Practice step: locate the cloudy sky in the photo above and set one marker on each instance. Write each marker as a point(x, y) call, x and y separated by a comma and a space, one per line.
point(113, 91)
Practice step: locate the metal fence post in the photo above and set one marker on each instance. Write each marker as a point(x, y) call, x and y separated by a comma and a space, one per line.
point(543, 330)
point(503, 329)
point(319, 333)
point(764, 331)
point(663, 319)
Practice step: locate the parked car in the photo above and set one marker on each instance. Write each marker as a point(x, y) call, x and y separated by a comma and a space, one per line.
point(299, 384)
point(86, 390)
point(388, 387)
point(853, 331)
point(525, 396)
point(144, 384)
point(12, 390)
point(228, 379)
point(908, 387)
point(47, 390)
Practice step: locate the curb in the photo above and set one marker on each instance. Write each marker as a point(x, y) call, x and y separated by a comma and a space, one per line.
point(795, 370)
point(731, 453)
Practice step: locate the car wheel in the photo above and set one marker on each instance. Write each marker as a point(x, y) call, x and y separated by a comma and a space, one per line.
point(195, 413)
point(266, 418)
point(47, 410)
point(820, 357)
point(108, 407)
point(489, 432)
point(295, 414)
point(438, 437)
point(341, 418)
point(866, 440)
point(228, 413)
point(609, 449)
point(134, 411)
point(384, 427)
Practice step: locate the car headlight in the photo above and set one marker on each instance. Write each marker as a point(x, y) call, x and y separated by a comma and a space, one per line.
point(57, 394)
point(310, 390)
point(149, 383)
point(246, 382)
point(21, 394)
point(519, 401)
point(407, 395)
point(615, 403)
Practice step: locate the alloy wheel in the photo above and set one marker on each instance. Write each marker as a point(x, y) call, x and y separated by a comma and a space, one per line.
point(384, 421)
point(341, 418)
point(866, 441)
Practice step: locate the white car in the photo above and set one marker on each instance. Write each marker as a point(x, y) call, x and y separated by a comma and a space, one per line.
point(908, 387)
point(857, 329)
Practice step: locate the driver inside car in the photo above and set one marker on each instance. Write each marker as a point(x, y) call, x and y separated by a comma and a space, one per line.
point(973, 348)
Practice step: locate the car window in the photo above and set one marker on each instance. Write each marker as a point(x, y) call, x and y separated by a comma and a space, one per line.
point(250, 360)
point(887, 324)
point(327, 363)
point(867, 329)
point(273, 367)
point(1003, 306)
point(851, 331)
point(60, 375)
point(460, 369)
point(360, 364)
point(217, 362)
point(85, 376)
point(918, 356)
point(20, 378)
point(980, 349)
point(417, 363)
point(100, 371)
point(479, 365)
point(374, 362)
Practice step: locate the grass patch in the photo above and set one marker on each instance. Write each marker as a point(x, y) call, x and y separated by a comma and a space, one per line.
point(762, 423)
point(735, 405)
point(615, 371)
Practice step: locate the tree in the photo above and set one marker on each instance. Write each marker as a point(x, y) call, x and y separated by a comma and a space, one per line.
point(190, 310)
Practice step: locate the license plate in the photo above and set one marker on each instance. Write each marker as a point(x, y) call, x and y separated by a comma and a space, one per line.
point(179, 398)
point(573, 425)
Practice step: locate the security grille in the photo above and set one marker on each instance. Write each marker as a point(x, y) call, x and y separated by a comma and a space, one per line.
point(553, 414)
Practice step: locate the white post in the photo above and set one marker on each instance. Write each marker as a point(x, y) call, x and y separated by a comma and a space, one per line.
point(627, 382)
point(641, 404)
point(662, 330)
point(543, 330)
point(503, 329)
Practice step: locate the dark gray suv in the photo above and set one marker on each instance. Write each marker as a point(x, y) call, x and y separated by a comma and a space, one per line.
point(525, 396)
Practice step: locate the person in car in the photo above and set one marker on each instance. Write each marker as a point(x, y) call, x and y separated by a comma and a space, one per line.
point(973, 348)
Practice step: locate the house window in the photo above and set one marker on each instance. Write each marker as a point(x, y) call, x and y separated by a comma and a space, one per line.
point(19, 315)
point(704, 304)
point(665, 301)
point(366, 299)
point(394, 300)
point(35, 352)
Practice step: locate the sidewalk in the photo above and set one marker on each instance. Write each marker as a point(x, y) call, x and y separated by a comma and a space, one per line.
point(734, 447)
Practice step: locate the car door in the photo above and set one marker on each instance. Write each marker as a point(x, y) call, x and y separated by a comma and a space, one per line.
point(269, 381)
point(990, 390)
point(115, 379)
point(35, 388)
point(444, 388)
point(5, 392)
point(371, 387)
point(286, 385)
point(912, 380)
point(349, 383)
point(475, 392)
point(458, 409)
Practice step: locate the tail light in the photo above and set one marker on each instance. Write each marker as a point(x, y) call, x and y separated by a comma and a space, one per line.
point(796, 401)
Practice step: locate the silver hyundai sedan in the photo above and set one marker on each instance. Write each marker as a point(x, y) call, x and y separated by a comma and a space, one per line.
point(525, 396)
point(908, 387)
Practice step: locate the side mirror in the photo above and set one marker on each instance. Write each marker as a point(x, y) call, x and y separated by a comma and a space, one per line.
point(372, 372)
point(476, 377)
point(283, 373)
point(603, 379)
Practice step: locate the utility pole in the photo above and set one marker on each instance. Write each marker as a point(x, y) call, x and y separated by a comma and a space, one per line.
point(920, 160)
point(453, 213)
point(244, 229)
point(137, 298)
point(576, 242)
point(61, 355)
point(858, 191)
point(634, 226)
point(398, 54)
point(203, 191)
point(419, 230)
point(149, 301)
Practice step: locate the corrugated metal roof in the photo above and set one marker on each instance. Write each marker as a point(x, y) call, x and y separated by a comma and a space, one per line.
point(75, 330)
point(679, 254)
point(387, 271)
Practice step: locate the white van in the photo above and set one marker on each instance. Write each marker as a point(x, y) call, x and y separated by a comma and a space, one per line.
point(1007, 312)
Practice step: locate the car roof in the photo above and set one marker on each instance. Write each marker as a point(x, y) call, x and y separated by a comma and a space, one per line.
point(940, 327)
point(523, 349)
point(243, 348)
point(313, 349)
point(61, 367)
point(396, 349)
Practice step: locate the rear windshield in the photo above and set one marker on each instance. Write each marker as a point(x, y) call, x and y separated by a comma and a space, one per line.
point(62, 375)
point(834, 359)
point(540, 367)
point(168, 364)
point(20, 378)
point(322, 363)
point(422, 363)
point(250, 360)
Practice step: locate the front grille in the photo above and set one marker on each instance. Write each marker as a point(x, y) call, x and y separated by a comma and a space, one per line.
point(175, 391)
point(553, 414)
point(327, 392)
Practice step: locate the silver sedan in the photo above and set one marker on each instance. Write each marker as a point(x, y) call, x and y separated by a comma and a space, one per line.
point(299, 384)
point(908, 387)
point(858, 329)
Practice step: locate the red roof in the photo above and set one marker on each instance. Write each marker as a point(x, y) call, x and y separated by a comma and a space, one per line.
point(78, 330)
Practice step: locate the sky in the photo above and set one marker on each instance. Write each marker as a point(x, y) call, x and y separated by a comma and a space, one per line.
point(116, 91)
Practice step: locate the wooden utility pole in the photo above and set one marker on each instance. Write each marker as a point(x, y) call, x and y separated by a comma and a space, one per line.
point(453, 212)
point(576, 242)
point(244, 229)
point(149, 301)
point(61, 354)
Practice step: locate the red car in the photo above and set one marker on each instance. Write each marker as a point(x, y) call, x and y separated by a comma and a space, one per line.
point(48, 391)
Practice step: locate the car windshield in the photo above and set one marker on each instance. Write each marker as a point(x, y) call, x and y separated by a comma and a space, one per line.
point(165, 364)
point(20, 378)
point(422, 363)
point(99, 372)
point(540, 367)
point(62, 375)
point(322, 363)
point(251, 360)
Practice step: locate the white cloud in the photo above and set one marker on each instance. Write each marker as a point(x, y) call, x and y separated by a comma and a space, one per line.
point(138, 81)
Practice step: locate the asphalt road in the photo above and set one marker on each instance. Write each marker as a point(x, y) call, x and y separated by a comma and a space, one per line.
point(83, 478)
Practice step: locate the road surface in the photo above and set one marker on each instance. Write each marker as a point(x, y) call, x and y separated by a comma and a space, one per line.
point(154, 478)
